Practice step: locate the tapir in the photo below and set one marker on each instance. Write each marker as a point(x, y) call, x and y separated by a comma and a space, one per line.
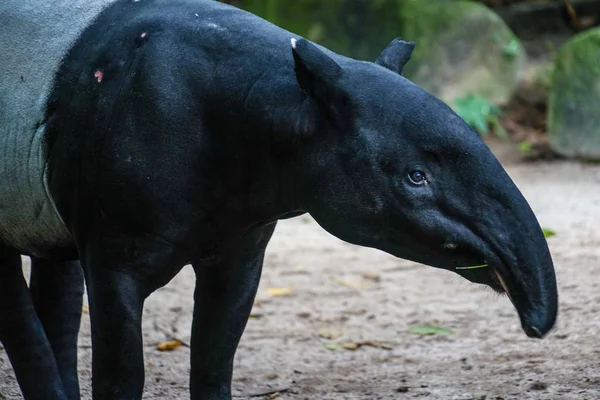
point(139, 136)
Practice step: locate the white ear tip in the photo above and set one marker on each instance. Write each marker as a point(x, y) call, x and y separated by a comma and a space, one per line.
point(294, 42)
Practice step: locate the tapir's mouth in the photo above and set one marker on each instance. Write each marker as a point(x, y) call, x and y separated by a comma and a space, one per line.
point(500, 281)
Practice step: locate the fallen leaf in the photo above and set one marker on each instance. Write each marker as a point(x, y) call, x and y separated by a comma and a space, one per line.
point(85, 309)
point(279, 291)
point(378, 345)
point(351, 346)
point(352, 284)
point(169, 345)
point(548, 232)
point(371, 276)
point(357, 345)
point(430, 330)
point(332, 346)
point(255, 315)
point(329, 333)
point(273, 395)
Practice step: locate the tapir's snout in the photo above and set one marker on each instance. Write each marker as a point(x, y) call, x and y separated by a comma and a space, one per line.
point(502, 232)
point(537, 325)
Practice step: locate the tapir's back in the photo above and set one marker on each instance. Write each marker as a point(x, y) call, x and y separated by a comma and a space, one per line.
point(34, 37)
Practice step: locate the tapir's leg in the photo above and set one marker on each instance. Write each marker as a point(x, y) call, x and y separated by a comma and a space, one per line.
point(225, 290)
point(23, 336)
point(120, 274)
point(57, 291)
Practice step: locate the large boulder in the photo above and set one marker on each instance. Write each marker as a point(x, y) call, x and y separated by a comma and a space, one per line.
point(462, 48)
point(574, 101)
point(356, 28)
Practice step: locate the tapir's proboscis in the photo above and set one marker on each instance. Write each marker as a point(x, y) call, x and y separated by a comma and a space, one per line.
point(139, 136)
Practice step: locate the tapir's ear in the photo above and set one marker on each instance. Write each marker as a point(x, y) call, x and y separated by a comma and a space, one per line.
point(316, 72)
point(396, 55)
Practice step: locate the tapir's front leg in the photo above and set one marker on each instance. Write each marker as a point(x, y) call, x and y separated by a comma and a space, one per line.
point(23, 336)
point(57, 292)
point(225, 291)
point(120, 273)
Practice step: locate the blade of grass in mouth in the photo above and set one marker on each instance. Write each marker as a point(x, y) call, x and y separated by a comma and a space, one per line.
point(473, 266)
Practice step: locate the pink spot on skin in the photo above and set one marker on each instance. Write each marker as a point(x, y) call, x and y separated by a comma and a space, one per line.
point(98, 76)
point(143, 35)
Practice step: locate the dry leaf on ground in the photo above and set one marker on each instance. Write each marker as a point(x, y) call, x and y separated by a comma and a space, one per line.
point(168, 345)
point(353, 284)
point(372, 276)
point(279, 291)
point(357, 345)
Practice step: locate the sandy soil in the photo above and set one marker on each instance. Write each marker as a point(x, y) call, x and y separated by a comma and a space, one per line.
point(486, 356)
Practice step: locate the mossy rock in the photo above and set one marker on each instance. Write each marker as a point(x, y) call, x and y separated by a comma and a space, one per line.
point(463, 48)
point(574, 103)
point(356, 28)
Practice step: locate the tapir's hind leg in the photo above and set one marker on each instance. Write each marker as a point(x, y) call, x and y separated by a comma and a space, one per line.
point(225, 291)
point(23, 336)
point(57, 292)
point(120, 272)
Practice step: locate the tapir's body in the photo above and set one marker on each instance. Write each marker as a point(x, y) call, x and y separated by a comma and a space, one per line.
point(34, 37)
point(141, 135)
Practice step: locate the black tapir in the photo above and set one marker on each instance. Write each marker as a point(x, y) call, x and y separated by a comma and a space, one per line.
point(138, 136)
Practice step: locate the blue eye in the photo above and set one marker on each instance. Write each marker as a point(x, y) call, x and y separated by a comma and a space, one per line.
point(417, 177)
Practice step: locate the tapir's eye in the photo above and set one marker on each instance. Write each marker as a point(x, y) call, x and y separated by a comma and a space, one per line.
point(417, 177)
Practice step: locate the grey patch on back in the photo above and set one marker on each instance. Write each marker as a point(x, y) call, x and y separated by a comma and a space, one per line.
point(34, 37)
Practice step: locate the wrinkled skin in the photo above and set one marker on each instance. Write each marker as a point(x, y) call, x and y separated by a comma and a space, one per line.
point(466, 212)
point(209, 125)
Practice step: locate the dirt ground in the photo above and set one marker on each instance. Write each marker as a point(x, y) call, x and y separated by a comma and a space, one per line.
point(345, 294)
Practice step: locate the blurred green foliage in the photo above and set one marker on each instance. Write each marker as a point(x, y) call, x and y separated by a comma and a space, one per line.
point(356, 28)
point(482, 115)
point(363, 28)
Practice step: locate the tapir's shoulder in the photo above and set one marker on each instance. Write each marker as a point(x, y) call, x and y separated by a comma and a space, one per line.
point(218, 28)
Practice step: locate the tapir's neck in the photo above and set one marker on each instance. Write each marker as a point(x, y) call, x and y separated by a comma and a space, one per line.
point(274, 124)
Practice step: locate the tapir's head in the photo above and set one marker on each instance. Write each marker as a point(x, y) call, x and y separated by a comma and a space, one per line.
point(396, 169)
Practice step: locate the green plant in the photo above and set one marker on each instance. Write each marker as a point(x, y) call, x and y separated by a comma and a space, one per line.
point(525, 146)
point(482, 115)
point(511, 49)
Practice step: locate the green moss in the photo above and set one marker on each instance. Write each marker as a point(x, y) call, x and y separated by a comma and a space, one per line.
point(574, 100)
point(356, 28)
point(462, 47)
